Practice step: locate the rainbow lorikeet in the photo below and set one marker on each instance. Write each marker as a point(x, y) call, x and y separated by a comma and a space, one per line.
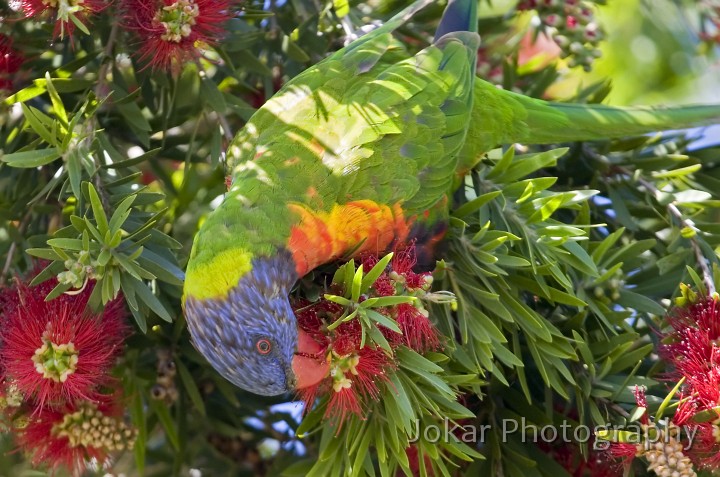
point(359, 153)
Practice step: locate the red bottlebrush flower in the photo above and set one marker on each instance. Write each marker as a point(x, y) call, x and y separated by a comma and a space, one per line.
point(696, 332)
point(402, 265)
point(413, 454)
point(171, 32)
point(313, 317)
point(57, 352)
point(370, 369)
point(640, 398)
point(703, 397)
point(10, 61)
point(355, 369)
point(383, 285)
point(71, 436)
point(641, 401)
point(620, 455)
point(347, 338)
point(355, 379)
point(258, 97)
point(63, 11)
point(355, 372)
point(418, 332)
point(342, 403)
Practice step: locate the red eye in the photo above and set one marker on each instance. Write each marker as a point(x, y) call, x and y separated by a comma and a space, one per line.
point(263, 346)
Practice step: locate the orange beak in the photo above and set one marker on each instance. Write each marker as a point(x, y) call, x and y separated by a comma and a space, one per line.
point(309, 364)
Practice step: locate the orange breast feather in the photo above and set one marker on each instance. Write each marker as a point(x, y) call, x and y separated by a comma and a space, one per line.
point(361, 225)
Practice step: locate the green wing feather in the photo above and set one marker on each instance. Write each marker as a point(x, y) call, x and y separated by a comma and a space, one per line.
point(367, 123)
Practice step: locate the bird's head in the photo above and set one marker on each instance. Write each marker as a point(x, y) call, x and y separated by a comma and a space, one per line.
point(250, 335)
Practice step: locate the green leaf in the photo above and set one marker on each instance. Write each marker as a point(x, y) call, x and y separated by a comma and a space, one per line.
point(376, 302)
point(121, 213)
point(81, 26)
point(161, 268)
point(668, 398)
point(374, 273)
point(58, 107)
point(212, 96)
point(146, 295)
point(134, 116)
point(293, 50)
point(74, 168)
point(502, 165)
point(163, 414)
point(525, 165)
point(26, 94)
point(309, 422)
point(190, 387)
point(138, 416)
point(48, 272)
point(629, 359)
point(580, 258)
point(122, 164)
point(59, 289)
point(98, 211)
point(383, 320)
point(338, 299)
point(38, 121)
point(46, 253)
point(378, 338)
point(251, 63)
point(31, 159)
point(410, 359)
point(640, 302)
point(675, 173)
point(357, 284)
point(67, 244)
point(475, 204)
point(607, 244)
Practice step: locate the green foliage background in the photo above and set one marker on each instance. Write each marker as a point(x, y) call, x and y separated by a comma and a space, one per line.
point(563, 259)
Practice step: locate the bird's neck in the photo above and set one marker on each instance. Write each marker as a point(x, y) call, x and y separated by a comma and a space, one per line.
point(272, 275)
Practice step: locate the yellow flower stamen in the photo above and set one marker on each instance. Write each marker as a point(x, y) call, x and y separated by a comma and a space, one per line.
point(56, 361)
point(177, 20)
point(89, 427)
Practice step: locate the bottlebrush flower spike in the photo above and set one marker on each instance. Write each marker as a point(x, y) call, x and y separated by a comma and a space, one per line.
point(692, 345)
point(72, 436)
point(418, 331)
point(358, 366)
point(619, 456)
point(355, 371)
point(172, 32)
point(413, 455)
point(68, 14)
point(57, 352)
point(10, 61)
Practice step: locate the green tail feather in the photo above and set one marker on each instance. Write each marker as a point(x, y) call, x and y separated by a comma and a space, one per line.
point(557, 122)
point(502, 117)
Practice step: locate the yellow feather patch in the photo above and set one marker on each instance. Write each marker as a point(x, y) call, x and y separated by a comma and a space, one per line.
point(217, 276)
